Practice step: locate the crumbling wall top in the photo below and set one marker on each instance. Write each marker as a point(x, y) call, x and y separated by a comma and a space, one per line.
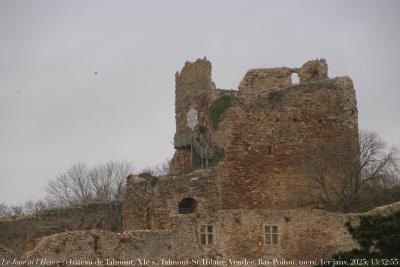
point(263, 80)
point(193, 89)
point(314, 70)
point(192, 71)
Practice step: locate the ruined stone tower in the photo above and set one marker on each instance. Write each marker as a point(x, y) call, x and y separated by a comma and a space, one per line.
point(250, 145)
point(194, 89)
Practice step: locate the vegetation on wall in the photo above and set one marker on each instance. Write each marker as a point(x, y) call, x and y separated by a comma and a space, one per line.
point(275, 97)
point(218, 107)
point(149, 177)
point(379, 239)
point(217, 157)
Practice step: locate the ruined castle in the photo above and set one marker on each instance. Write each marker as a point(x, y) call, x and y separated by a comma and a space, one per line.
point(238, 188)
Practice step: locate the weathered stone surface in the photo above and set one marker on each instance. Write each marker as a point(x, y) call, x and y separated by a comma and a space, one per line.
point(287, 120)
point(7, 254)
point(194, 88)
point(303, 234)
point(21, 234)
point(263, 80)
point(180, 161)
point(314, 70)
point(150, 204)
point(96, 244)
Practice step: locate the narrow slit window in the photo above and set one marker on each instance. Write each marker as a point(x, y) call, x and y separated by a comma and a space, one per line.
point(269, 150)
point(271, 234)
point(206, 234)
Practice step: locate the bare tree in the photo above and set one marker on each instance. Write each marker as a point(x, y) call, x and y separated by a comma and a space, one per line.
point(343, 170)
point(108, 180)
point(29, 207)
point(33, 207)
point(80, 184)
point(379, 164)
point(4, 211)
point(70, 188)
point(16, 210)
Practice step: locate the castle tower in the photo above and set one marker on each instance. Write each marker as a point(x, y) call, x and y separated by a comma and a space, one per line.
point(193, 92)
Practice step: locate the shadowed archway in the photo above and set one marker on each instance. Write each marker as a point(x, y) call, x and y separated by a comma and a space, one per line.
point(187, 205)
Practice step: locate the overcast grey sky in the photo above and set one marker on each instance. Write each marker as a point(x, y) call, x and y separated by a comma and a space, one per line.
point(54, 111)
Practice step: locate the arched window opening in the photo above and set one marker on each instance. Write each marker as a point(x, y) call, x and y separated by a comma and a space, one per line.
point(187, 205)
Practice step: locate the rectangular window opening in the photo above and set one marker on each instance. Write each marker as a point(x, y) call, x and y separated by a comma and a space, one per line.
point(206, 234)
point(271, 235)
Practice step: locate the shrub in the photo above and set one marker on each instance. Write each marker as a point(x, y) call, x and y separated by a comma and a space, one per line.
point(218, 107)
point(379, 238)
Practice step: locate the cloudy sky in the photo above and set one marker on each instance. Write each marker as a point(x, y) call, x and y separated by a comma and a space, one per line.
point(55, 111)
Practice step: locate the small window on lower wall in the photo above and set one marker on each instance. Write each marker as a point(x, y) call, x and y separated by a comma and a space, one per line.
point(206, 234)
point(271, 236)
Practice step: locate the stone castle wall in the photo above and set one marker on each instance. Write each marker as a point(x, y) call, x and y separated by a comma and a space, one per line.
point(288, 120)
point(150, 204)
point(266, 80)
point(303, 234)
point(194, 88)
point(270, 113)
point(21, 234)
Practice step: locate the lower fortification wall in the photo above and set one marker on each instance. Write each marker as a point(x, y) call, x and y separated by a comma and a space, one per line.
point(303, 234)
point(21, 234)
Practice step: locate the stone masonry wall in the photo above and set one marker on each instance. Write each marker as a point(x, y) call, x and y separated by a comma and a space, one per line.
point(21, 234)
point(154, 211)
point(194, 88)
point(287, 120)
point(136, 205)
point(239, 234)
point(263, 80)
point(303, 234)
point(267, 80)
point(180, 161)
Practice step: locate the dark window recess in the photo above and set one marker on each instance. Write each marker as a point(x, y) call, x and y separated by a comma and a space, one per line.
point(187, 205)
point(269, 150)
point(271, 234)
point(206, 234)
